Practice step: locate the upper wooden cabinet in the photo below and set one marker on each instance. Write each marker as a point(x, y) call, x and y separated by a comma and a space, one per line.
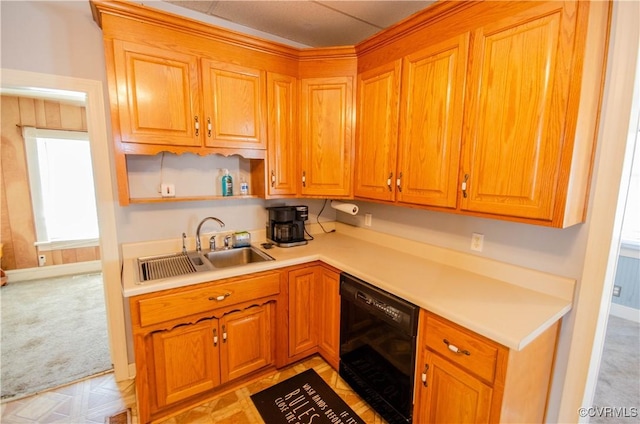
point(151, 115)
point(414, 160)
point(327, 136)
point(235, 106)
point(377, 137)
point(282, 140)
point(518, 121)
point(499, 107)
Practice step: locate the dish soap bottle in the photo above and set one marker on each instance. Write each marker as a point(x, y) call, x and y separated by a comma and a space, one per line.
point(227, 184)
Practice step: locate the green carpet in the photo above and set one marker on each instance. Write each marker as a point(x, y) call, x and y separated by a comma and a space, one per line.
point(54, 331)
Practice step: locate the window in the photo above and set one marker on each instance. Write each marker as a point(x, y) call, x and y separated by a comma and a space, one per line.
point(62, 189)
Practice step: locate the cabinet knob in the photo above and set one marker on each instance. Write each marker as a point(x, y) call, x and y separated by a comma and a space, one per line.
point(304, 178)
point(224, 334)
point(209, 127)
point(464, 186)
point(455, 349)
point(197, 126)
point(273, 178)
point(215, 337)
point(423, 376)
point(399, 182)
point(220, 298)
point(389, 180)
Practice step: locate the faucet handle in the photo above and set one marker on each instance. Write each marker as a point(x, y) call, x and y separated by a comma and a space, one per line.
point(226, 241)
point(212, 242)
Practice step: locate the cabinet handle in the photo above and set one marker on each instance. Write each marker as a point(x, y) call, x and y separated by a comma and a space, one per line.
point(389, 180)
point(209, 127)
point(399, 182)
point(273, 178)
point(423, 376)
point(197, 126)
point(224, 335)
point(215, 337)
point(304, 178)
point(464, 186)
point(454, 348)
point(220, 298)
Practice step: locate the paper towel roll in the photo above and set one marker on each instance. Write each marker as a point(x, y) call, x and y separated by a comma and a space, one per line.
point(349, 208)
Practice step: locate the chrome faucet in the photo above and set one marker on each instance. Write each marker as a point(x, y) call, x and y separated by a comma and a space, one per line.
point(198, 246)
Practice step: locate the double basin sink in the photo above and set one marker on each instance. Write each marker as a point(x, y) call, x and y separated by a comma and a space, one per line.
point(156, 267)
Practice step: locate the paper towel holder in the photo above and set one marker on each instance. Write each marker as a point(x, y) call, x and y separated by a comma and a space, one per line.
point(348, 208)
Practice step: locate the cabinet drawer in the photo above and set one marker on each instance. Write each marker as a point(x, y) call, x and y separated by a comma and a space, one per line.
point(175, 305)
point(474, 354)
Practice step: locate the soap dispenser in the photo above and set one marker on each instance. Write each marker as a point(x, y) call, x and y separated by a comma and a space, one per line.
point(227, 184)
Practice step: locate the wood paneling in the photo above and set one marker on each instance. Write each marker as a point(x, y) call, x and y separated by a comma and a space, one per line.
point(18, 228)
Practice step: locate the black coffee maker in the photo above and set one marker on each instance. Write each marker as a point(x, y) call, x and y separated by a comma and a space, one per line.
point(286, 225)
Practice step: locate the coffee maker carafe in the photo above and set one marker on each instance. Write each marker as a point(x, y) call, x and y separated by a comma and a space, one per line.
point(286, 225)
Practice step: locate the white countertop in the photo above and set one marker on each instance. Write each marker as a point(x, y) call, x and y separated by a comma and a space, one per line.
point(508, 304)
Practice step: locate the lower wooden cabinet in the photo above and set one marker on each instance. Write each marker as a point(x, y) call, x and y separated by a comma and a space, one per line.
point(314, 313)
point(463, 377)
point(186, 352)
point(185, 360)
point(246, 341)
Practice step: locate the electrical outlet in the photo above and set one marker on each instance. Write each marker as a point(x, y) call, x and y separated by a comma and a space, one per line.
point(617, 290)
point(167, 190)
point(367, 219)
point(42, 260)
point(477, 240)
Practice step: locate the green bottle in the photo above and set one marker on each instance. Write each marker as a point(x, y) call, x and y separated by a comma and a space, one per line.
point(227, 184)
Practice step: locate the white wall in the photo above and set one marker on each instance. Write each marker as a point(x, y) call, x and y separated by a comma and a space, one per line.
point(61, 38)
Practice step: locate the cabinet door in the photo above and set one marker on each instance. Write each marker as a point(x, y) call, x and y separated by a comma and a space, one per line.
point(516, 113)
point(234, 106)
point(328, 318)
point(377, 139)
point(451, 395)
point(157, 91)
point(282, 151)
point(327, 138)
point(246, 341)
point(303, 309)
point(433, 81)
point(186, 361)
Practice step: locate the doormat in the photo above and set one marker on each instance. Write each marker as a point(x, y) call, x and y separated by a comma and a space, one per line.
point(303, 398)
point(123, 417)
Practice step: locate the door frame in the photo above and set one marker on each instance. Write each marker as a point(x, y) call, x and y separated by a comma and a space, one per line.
point(105, 200)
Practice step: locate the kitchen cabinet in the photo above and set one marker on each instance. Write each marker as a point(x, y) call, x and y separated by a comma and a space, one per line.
point(282, 140)
point(234, 106)
point(519, 111)
point(314, 313)
point(328, 319)
point(327, 136)
point(467, 378)
point(190, 342)
point(377, 132)
point(413, 159)
point(499, 107)
point(158, 96)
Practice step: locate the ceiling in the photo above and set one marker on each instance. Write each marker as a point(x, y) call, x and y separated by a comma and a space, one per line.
point(311, 23)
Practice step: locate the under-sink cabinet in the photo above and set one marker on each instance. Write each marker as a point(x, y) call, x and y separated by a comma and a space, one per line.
point(465, 377)
point(190, 341)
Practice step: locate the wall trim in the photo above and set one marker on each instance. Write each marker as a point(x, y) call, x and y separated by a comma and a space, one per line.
point(625, 312)
point(29, 274)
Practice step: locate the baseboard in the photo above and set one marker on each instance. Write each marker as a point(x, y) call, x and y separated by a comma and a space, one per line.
point(51, 271)
point(625, 312)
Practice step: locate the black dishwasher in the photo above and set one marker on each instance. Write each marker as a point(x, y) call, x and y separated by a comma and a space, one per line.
point(378, 347)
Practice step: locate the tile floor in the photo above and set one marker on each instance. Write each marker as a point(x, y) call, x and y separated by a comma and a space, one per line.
point(94, 399)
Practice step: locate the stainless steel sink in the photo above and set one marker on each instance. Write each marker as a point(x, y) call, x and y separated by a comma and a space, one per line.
point(236, 257)
point(172, 265)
